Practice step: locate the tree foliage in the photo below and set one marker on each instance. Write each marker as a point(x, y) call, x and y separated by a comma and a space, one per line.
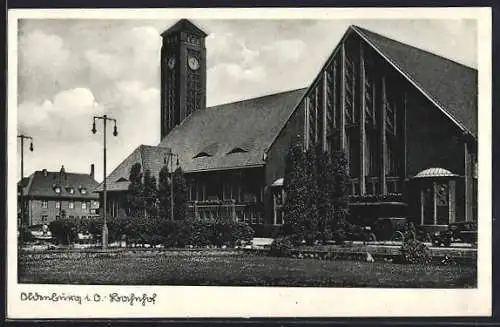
point(180, 194)
point(164, 193)
point(135, 200)
point(295, 187)
point(150, 194)
point(316, 188)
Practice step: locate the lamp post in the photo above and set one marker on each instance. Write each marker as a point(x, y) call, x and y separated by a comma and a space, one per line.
point(171, 160)
point(105, 119)
point(23, 137)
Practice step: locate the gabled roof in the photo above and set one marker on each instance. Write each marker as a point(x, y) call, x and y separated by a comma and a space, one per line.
point(184, 25)
point(150, 157)
point(42, 183)
point(450, 85)
point(249, 124)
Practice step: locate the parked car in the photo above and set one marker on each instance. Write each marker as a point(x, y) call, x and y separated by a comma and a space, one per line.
point(384, 228)
point(465, 232)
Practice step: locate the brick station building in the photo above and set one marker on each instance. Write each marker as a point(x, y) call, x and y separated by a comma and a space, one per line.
point(405, 117)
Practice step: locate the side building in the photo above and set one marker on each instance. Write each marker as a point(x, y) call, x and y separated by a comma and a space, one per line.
point(49, 196)
point(405, 117)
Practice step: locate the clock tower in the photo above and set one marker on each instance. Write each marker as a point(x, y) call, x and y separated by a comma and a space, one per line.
point(183, 73)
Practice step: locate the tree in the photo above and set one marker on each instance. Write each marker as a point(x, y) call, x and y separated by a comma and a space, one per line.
point(150, 194)
point(164, 193)
point(295, 187)
point(340, 189)
point(135, 200)
point(325, 184)
point(311, 176)
point(180, 194)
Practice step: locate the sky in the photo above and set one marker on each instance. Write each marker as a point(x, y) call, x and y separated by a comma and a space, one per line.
point(72, 69)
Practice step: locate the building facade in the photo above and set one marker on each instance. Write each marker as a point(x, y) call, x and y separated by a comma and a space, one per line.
point(50, 196)
point(406, 119)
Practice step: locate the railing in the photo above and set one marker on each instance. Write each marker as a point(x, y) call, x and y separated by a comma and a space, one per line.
point(229, 210)
point(394, 186)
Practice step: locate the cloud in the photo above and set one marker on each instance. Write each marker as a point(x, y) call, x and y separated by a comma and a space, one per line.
point(252, 72)
point(61, 125)
point(40, 51)
point(285, 51)
point(46, 65)
point(228, 48)
point(133, 54)
point(59, 118)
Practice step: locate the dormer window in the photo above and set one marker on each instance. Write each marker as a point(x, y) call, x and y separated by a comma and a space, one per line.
point(70, 190)
point(83, 190)
point(201, 154)
point(57, 189)
point(237, 150)
point(122, 179)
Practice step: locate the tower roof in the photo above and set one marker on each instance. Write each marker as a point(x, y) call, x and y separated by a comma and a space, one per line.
point(184, 25)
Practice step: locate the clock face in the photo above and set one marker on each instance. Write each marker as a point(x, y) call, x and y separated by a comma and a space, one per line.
point(171, 62)
point(193, 63)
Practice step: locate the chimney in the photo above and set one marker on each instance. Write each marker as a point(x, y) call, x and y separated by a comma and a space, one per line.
point(44, 171)
point(62, 174)
point(92, 171)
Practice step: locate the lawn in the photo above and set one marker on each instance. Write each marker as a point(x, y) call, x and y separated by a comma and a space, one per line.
point(228, 268)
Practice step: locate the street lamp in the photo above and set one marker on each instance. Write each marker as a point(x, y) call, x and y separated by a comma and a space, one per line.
point(23, 137)
point(104, 118)
point(171, 160)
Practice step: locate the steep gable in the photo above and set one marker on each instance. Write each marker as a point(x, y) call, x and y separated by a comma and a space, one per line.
point(150, 157)
point(450, 85)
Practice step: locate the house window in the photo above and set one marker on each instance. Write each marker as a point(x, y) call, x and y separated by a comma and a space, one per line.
point(58, 204)
point(84, 206)
point(45, 204)
point(71, 205)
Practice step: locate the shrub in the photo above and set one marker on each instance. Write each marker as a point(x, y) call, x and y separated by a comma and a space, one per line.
point(339, 236)
point(25, 234)
point(415, 252)
point(281, 247)
point(326, 236)
point(202, 233)
point(243, 233)
point(64, 231)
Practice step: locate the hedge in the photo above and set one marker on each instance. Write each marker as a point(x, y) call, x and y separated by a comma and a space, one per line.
point(169, 233)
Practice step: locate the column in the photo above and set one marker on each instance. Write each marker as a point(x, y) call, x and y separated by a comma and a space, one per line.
point(274, 208)
point(383, 139)
point(342, 100)
point(233, 207)
point(451, 201)
point(325, 104)
point(362, 128)
point(422, 199)
point(306, 122)
point(468, 183)
point(434, 200)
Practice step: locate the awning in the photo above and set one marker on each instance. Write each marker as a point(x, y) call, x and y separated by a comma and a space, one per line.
point(278, 182)
point(435, 172)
